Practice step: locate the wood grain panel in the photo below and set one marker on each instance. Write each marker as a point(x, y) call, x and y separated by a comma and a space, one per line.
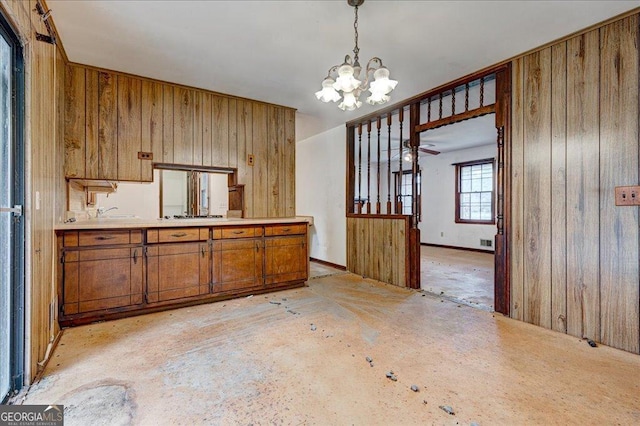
point(233, 133)
point(183, 109)
point(74, 122)
point(220, 147)
point(261, 193)
point(290, 162)
point(107, 126)
point(129, 128)
point(207, 129)
point(152, 122)
point(198, 128)
point(619, 277)
point(91, 125)
point(46, 112)
point(583, 227)
point(376, 248)
point(558, 187)
point(245, 136)
point(537, 216)
point(274, 156)
point(167, 123)
point(517, 195)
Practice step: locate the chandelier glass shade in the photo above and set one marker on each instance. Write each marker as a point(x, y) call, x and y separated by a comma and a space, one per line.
point(343, 81)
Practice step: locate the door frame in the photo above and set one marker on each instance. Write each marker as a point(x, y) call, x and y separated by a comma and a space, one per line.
point(17, 332)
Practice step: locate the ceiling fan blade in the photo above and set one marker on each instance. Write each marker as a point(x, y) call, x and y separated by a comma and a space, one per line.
point(428, 151)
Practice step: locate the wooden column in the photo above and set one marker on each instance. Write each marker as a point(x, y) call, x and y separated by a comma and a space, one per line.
point(414, 231)
point(502, 284)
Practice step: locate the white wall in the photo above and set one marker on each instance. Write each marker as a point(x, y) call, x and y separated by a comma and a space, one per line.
point(438, 224)
point(139, 199)
point(320, 192)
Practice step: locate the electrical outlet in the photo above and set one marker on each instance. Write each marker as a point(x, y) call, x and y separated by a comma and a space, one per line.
point(627, 195)
point(145, 155)
point(250, 160)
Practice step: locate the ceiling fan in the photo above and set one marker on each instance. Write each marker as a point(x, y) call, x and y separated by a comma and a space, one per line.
point(406, 151)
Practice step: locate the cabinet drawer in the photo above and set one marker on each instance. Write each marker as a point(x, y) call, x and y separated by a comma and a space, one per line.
point(103, 238)
point(245, 232)
point(173, 235)
point(295, 229)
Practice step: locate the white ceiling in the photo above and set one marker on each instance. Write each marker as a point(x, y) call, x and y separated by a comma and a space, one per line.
point(279, 51)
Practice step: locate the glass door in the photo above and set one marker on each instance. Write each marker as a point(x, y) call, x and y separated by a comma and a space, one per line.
point(11, 220)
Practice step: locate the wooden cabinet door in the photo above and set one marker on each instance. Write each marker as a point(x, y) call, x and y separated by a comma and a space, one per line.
point(104, 278)
point(286, 259)
point(238, 264)
point(129, 128)
point(176, 271)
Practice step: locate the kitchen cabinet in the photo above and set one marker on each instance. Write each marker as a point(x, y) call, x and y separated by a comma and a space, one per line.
point(238, 265)
point(113, 273)
point(238, 256)
point(106, 117)
point(178, 263)
point(102, 270)
point(286, 256)
point(176, 271)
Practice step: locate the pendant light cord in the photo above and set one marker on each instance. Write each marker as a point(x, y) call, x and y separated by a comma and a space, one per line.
point(356, 49)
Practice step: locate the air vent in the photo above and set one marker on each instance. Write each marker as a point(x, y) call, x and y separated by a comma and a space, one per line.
point(486, 243)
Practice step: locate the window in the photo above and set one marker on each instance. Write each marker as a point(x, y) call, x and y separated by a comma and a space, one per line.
point(404, 191)
point(474, 192)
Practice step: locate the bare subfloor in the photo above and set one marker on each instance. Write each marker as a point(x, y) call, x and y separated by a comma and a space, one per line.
point(259, 360)
point(459, 275)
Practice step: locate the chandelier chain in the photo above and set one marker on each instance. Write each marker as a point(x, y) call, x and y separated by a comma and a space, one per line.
point(356, 49)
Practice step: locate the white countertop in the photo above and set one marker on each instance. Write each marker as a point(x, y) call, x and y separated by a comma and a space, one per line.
point(120, 223)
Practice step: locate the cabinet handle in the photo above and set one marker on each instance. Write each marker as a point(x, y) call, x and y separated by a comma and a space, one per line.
point(238, 232)
point(104, 237)
point(202, 250)
point(286, 229)
point(179, 234)
point(135, 256)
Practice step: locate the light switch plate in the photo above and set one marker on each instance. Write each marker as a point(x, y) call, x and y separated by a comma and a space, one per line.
point(627, 195)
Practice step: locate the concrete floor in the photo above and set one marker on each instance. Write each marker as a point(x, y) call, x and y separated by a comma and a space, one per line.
point(259, 360)
point(460, 275)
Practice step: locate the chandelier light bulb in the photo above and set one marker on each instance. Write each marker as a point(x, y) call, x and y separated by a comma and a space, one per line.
point(408, 156)
point(377, 98)
point(328, 93)
point(350, 102)
point(343, 80)
point(346, 81)
point(382, 84)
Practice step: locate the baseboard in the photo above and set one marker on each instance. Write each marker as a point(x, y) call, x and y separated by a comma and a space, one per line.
point(325, 263)
point(459, 248)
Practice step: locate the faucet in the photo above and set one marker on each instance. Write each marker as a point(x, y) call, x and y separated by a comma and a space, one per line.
point(101, 211)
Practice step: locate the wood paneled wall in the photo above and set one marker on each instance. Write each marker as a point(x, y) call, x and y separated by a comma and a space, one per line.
point(575, 255)
point(377, 248)
point(111, 116)
point(44, 162)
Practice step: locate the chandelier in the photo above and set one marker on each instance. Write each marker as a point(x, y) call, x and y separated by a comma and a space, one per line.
point(342, 81)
